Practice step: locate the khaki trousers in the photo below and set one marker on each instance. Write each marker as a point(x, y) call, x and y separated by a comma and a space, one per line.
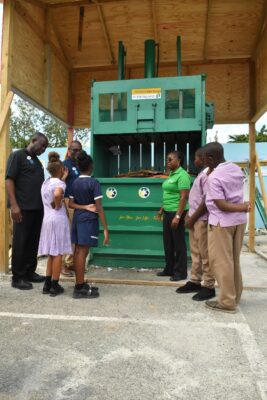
point(201, 271)
point(224, 245)
point(68, 259)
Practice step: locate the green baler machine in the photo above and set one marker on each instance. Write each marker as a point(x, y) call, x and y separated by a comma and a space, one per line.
point(134, 124)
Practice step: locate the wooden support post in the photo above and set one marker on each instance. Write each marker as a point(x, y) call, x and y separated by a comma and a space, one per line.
point(263, 191)
point(4, 136)
point(105, 31)
point(252, 191)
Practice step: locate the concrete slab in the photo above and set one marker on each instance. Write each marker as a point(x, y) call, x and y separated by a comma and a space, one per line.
point(134, 342)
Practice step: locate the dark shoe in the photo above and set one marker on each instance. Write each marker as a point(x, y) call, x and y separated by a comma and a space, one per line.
point(21, 284)
point(85, 293)
point(163, 273)
point(189, 287)
point(93, 288)
point(204, 294)
point(178, 278)
point(34, 277)
point(56, 289)
point(46, 288)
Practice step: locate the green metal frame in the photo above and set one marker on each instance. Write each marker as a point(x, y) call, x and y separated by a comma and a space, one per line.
point(161, 123)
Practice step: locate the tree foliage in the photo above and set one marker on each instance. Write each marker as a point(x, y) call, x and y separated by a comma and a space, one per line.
point(27, 119)
point(261, 136)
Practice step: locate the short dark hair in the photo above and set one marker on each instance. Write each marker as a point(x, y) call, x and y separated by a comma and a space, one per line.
point(37, 135)
point(200, 152)
point(215, 150)
point(84, 161)
point(179, 155)
point(75, 141)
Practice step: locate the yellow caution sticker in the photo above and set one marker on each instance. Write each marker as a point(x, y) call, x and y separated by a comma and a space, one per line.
point(146, 94)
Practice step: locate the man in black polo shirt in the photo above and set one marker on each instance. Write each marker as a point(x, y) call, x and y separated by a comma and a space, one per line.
point(24, 178)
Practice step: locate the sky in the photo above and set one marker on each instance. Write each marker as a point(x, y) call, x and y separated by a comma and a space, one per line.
point(221, 131)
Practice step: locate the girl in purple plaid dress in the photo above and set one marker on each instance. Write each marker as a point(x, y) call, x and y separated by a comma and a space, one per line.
point(55, 233)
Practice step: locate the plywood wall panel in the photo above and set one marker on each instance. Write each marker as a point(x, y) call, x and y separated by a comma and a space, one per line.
point(28, 61)
point(82, 89)
point(227, 85)
point(59, 89)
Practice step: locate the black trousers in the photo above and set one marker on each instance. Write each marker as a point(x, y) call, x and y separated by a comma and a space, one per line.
point(26, 235)
point(174, 246)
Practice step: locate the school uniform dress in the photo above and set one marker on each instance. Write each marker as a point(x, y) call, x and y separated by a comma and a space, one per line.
point(85, 225)
point(198, 234)
point(226, 232)
point(27, 173)
point(174, 239)
point(55, 232)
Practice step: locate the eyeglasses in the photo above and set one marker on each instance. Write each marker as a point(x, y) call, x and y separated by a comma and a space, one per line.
point(75, 150)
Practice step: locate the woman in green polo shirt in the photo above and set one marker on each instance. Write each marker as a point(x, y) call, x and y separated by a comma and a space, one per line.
point(175, 195)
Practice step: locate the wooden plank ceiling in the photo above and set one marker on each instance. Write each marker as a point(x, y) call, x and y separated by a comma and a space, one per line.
point(212, 30)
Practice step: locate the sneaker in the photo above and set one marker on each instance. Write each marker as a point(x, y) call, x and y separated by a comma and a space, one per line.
point(163, 273)
point(189, 287)
point(85, 292)
point(214, 305)
point(204, 294)
point(56, 289)
point(22, 284)
point(34, 277)
point(93, 288)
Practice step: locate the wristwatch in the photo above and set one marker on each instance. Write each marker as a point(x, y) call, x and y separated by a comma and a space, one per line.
point(177, 216)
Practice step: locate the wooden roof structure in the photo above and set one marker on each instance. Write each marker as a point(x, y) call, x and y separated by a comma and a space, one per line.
point(52, 49)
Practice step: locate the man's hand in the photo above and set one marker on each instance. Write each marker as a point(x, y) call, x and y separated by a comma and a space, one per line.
point(16, 214)
point(175, 223)
point(188, 222)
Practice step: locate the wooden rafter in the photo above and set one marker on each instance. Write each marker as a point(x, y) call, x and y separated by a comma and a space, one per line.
point(37, 3)
point(154, 20)
point(81, 3)
point(39, 32)
point(105, 31)
point(80, 29)
point(261, 28)
point(207, 28)
point(60, 41)
point(85, 68)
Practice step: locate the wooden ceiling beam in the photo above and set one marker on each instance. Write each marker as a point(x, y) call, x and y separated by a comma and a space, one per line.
point(261, 29)
point(105, 31)
point(82, 3)
point(39, 32)
point(80, 29)
point(162, 64)
point(60, 41)
point(37, 3)
point(154, 20)
point(207, 29)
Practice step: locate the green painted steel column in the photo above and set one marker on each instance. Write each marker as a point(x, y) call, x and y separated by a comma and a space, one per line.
point(179, 56)
point(150, 57)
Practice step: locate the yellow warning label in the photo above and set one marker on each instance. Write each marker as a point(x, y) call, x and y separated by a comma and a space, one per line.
point(148, 93)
